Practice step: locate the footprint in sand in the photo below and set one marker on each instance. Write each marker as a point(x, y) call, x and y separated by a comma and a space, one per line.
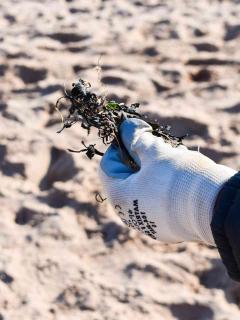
point(30, 74)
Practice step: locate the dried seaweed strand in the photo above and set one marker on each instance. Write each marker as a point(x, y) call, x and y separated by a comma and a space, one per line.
point(93, 110)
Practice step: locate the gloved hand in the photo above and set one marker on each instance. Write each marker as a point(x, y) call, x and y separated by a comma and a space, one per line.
point(171, 197)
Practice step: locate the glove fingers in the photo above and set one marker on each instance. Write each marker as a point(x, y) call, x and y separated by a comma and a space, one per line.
point(112, 164)
point(141, 145)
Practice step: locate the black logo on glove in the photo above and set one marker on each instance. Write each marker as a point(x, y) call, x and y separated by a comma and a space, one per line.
point(138, 220)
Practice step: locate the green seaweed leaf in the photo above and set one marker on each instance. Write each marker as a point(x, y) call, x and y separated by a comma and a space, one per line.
point(112, 105)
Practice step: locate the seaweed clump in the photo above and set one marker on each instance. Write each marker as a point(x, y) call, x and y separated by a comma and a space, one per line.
point(93, 110)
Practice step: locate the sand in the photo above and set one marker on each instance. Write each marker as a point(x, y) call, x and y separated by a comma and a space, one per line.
point(63, 256)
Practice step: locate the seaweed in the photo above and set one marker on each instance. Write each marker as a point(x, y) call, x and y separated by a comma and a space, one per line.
point(93, 110)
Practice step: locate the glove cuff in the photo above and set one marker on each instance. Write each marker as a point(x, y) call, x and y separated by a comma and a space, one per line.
point(193, 210)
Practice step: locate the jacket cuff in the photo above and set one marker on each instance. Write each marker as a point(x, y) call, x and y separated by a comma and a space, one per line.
point(225, 225)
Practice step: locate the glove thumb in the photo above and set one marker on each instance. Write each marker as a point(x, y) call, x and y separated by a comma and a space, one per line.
point(136, 136)
point(131, 132)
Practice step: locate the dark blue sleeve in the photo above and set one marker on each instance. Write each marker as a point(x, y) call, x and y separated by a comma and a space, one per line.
point(225, 225)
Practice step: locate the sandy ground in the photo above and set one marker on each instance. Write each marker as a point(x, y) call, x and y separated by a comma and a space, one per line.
point(62, 255)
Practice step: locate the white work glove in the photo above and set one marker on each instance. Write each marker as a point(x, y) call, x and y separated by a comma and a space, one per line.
point(171, 197)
